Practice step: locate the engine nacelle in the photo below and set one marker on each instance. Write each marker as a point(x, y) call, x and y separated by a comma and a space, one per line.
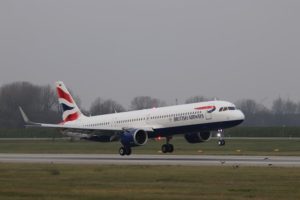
point(197, 137)
point(134, 137)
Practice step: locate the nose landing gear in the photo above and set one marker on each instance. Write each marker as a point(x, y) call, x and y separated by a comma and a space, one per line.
point(220, 135)
point(221, 142)
point(167, 148)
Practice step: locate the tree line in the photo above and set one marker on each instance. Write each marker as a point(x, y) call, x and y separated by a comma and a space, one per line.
point(41, 104)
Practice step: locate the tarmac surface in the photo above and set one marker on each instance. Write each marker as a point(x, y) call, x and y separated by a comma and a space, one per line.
point(166, 159)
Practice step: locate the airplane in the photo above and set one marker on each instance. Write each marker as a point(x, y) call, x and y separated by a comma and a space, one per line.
point(195, 121)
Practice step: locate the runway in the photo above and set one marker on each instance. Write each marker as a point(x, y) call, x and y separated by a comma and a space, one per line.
point(181, 160)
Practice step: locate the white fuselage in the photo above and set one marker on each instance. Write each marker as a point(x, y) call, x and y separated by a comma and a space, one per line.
point(170, 120)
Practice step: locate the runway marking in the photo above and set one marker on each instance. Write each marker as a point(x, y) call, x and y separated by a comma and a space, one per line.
point(185, 160)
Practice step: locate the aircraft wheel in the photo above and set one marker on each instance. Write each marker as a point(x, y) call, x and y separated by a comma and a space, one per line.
point(128, 151)
point(221, 142)
point(164, 148)
point(167, 148)
point(122, 151)
point(171, 148)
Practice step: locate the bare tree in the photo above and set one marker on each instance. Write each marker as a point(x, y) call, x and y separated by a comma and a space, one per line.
point(49, 99)
point(278, 106)
point(249, 106)
point(290, 107)
point(144, 102)
point(281, 106)
point(100, 106)
point(36, 100)
point(298, 108)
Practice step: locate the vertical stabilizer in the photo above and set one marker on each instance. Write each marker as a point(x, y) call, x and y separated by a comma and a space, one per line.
point(71, 112)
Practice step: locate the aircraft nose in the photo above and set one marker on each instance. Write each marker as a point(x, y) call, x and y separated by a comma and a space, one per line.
point(238, 117)
point(241, 115)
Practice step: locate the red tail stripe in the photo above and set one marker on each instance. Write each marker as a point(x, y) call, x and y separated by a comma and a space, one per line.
point(205, 107)
point(63, 95)
point(72, 117)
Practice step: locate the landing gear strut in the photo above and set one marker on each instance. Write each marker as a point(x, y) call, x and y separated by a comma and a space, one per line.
point(167, 148)
point(220, 135)
point(125, 151)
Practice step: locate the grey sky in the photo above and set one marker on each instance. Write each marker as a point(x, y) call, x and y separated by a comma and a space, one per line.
point(165, 49)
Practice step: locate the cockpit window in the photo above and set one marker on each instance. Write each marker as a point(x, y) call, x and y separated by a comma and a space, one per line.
point(222, 109)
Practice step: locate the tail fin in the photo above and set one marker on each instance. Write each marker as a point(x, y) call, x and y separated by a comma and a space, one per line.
point(71, 112)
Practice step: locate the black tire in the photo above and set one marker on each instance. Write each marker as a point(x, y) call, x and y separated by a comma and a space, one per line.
point(122, 151)
point(128, 151)
point(164, 148)
point(170, 148)
point(221, 142)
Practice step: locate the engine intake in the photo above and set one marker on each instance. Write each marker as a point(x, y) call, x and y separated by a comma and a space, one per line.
point(197, 137)
point(134, 137)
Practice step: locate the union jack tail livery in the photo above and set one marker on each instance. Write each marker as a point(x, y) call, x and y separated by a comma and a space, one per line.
point(71, 112)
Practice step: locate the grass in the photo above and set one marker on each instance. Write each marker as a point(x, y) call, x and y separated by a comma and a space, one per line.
point(89, 182)
point(265, 147)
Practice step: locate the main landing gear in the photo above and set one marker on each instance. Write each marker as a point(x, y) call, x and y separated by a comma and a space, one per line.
point(167, 148)
point(125, 151)
point(220, 135)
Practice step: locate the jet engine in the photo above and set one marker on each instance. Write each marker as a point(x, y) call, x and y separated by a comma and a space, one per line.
point(134, 137)
point(197, 137)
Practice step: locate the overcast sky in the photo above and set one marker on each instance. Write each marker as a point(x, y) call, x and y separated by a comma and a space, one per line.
point(163, 48)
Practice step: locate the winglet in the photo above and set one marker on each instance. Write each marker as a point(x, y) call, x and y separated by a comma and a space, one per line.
point(24, 116)
point(28, 123)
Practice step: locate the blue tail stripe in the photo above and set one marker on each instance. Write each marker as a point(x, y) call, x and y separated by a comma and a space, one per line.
point(66, 107)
